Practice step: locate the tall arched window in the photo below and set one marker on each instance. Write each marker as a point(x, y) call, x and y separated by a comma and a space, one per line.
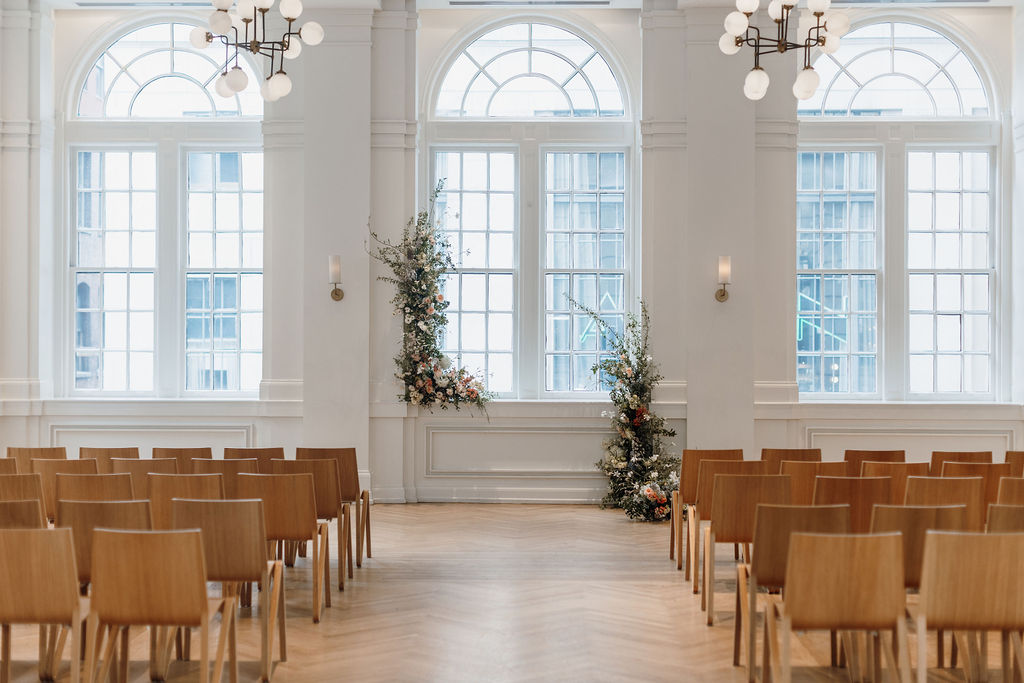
point(536, 218)
point(898, 223)
point(166, 232)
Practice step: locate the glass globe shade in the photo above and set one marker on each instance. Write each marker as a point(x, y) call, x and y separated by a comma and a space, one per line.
point(236, 21)
point(220, 22)
point(804, 25)
point(736, 23)
point(757, 79)
point(223, 4)
point(818, 5)
point(747, 6)
point(237, 80)
point(266, 93)
point(752, 94)
point(831, 43)
point(312, 33)
point(837, 23)
point(245, 9)
point(775, 10)
point(280, 85)
point(198, 38)
point(290, 9)
point(727, 44)
point(294, 48)
point(806, 83)
point(264, 4)
point(221, 86)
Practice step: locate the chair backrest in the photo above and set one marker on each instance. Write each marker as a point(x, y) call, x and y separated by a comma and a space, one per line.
point(913, 521)
point(1005, 518)
point(860, 493)
point(348, 468)
point(991, 473)
point(689, 468)
point(941, 457)
point(775, 456)
point(967, 491)
point(263, 455)
point(234, 536)
point(184, 456)
point(102, 456)
point(37, 571)
point(140, 471)
point(148, 577)
point(229, 468)
point(24, 456)
point(1011, 491)
point(21, 487)
point(84, 516)
point(774, 524)
point(855, 457)
point(21, 514)
point(1016, 458)
point(706, 479)
point(735, 499)
point(94, 487)
point(897, 471)
point(803, 475)
point(971, 581)
point(8, 466)
point(845, 582)
point(49, 469)
point(325, 482)
point(289, 503)
point(164, 487)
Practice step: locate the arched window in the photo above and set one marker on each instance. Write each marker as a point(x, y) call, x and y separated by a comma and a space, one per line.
point(924, 193)
point(134, 277)
point(518, 265)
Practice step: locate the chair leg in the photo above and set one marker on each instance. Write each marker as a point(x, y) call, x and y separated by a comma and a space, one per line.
point(343, 541)
point(204, 649)
point(5, 653)
point(75, 656)
point(317, 578)
point(672, 527)
point(123, 657)
point(903, 652)
point(266, 627)
point(348, 546)
point(693, 550)
point(92, 627)
point(359, 530)
point(922, 650)
point(741, 615)
point(709, 574)
point(325, 558)
point(227, 612)
point(940, 636)
point(366, 524)
point(108, 652)
point(281, 632)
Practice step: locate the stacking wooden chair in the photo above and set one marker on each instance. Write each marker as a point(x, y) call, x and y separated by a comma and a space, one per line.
point(84, 516)
point(140, 471)
point(1016, 458)
point(289, 507)
point(235, 546)
point(941, 457)
point(775, 456)
point(102, 456)
point(842, 583)
point(351, 493)
point(967, 491)
point(49, 469)
point(898, 472)
point(8, 466)
point(263, 456)
point(184, 456)
point(854, 458)
point(773, 525)
point(1011, 491)
point(734, 503)
point(803, 474)
point(155, 579)
point(21, 514)
point(860, 493)
point(21, 487)
point(1005, 518)
point(37, 571)
point(164, 487)
point(24, 456)
point(991, 474)
point(94, 487)
point(970, 583)
point(686, 496)
point(229, 469)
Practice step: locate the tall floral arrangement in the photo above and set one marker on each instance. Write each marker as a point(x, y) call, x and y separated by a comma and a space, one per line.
point(641, 475)
point(418, 264)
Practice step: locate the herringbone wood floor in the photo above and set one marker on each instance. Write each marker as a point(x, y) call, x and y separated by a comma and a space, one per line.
point(460, 592)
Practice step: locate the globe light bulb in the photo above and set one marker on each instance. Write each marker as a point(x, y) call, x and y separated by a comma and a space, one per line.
point(804, 25)
point(199, 37)
point(747, 6)
point(236, 79)
point(220, 22)
point(837, 23)
point(221, 86)
point(290, 9)
point(294, 48)
point(727, 44)
point(736, 23)
point(245, 9)
point(280, 84)
point(266, 93)
point(806, 83)
point(264, 4)
point(223, 4)
point(831, 43)
point(756, 84)
point(312, 33)
point(236, 21)
point(775, 10)
point(817, 6)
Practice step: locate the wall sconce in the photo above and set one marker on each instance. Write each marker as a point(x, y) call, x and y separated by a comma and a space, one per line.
point(724, 277)
point(334, 268)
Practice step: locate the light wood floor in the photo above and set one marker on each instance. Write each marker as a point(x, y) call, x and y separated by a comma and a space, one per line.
point(460, 592)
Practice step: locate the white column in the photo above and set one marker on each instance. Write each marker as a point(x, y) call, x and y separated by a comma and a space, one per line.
point(1014, 286)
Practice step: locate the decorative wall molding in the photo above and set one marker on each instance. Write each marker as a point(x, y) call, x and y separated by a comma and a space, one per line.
point(21, 134)
point(663, 134)
point(283, 133)
point(396, 134)
point(662, 19)
point(776, 392)
point(281, 390)
point(776, 134)
point(187, 433)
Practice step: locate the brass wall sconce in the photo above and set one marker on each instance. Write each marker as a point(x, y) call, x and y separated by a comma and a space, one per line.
point(334, 268)
point(724, 278)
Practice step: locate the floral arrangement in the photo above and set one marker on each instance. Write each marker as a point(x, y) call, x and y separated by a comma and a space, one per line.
point(418, 263)
point(641, 476)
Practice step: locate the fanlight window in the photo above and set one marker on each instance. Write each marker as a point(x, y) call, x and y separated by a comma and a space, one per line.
point(897, 70)
point(528, 71)
point(155, 72)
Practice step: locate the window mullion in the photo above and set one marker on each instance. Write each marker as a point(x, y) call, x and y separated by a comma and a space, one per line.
point(894, 308)
point(169, 277)
point(530, 288)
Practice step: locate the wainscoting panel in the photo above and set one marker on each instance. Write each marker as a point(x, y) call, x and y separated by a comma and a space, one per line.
point(147, 436)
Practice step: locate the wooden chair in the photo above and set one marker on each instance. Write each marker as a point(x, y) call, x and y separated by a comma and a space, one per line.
point(102, 456)
point(1016, 458)
point(686, 496)
point(164, 487)
point(263, 456)
point(803, 474)
point(860, 493)
point(94, 487)
point(328, 506)
point(773, 525)
point(229, 469)
point(898, 472)
point(49, 469)
point(775, 456)
point(1005, 518)
point(140, 471)
point(855, 458)
point(24, 456)
point(8, 466)
point(990, 473)
point(155, 579)
point(941, 457)
point(734, 503)
point(844, 583)
point(289, 506)
point(1011, 491)
point(235, 546)
point(84, 516)
point(967, 491)
point(21, 487)
point(37, 571)
point(21, 514)
point(970, 582)
point(351, 493)
point(184, 456)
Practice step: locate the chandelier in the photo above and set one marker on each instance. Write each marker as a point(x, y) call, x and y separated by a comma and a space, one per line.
point(816, 28)
point(245, 28)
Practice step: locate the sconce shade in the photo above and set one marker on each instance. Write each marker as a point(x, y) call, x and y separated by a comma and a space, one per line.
point(724, 270)
point(334, 269)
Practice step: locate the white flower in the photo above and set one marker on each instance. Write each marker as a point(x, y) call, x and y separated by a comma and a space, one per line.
point(422, 325)
point(445, 362)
